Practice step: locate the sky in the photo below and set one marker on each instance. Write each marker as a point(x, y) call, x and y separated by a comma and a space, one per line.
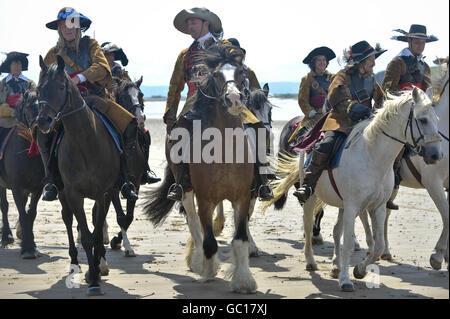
point(277, 35)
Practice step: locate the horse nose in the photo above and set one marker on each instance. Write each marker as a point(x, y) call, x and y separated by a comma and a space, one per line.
point(234, 98)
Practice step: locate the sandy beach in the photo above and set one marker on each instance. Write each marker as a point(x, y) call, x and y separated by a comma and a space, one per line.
point(159, 269)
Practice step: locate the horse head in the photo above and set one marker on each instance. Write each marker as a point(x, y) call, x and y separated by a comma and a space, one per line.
point(221, 76)
point(258, 102)
point(129, 95)
point(28, 108)
point(423, 127)
point(55, 89)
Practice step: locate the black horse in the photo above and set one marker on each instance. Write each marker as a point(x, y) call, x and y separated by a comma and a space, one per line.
point(22, 175)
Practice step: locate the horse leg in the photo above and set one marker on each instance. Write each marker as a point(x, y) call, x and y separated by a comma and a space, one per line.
point(67, 216)
point(337, 234)
point(369, 238)
point(242, 280)
point(116, 242)
point(349, 243)
point(252, 248)
point(437, 194)
point(99, 249)
point(129, 252)
point(31, 213)
point(28, 250)
point(317, 236)
point(219, 220)
point(105, 224)
point(387, 254)
point(378, 218)
point(308, 216)
point(210, 261)
point(194, 254)
point(7, 237)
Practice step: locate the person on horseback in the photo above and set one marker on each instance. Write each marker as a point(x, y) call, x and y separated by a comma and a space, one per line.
point(13, 86)
point(406, 70)
point(87, 66)
point(350, 96)
point(114, 53)
point(205, 28)
point(314, 86)
point(251, 76)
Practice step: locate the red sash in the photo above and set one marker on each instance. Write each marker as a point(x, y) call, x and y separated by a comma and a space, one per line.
point(188, 64)
point(13, 99)
point(317, 100)
point(410, 86)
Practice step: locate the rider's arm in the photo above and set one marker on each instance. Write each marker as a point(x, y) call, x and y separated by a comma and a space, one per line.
point(176, 86)
point(394, 70)
point(99, 70)
point(303, 96)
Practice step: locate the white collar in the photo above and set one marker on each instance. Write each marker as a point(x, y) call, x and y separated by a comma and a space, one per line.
point(21, 76)
point(407, 52)
point(201, 41)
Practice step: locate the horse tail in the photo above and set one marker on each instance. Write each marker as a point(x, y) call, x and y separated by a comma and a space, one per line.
point(288, 167)
point(157, 206)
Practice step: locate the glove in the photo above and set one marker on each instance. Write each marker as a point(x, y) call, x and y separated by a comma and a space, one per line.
point(7, 111)
point(312, 113)
point(359, 112)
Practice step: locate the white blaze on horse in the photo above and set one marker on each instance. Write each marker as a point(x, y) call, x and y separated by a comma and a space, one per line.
point(370, 148)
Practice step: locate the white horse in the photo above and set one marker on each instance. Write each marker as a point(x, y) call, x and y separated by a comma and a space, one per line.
point(371, 148)
point(432, 177)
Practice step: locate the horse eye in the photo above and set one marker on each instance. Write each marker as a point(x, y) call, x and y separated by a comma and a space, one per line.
point(423, 121)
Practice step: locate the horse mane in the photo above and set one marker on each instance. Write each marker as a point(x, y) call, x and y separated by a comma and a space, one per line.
point(125, 85)
point(438, 80)
point(378, 123)
point(257, 99)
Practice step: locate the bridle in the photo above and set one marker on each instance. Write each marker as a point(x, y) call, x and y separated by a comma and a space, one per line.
point(60, 114)
point(427, 138)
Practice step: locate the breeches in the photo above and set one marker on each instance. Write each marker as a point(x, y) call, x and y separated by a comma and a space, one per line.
point(326, 145)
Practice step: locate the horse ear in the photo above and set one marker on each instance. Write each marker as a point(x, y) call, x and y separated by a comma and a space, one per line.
point(61, 63)
point(266, 89)
point(429, 93)
point(415, 94)
point(139, 82)
point(44, 67)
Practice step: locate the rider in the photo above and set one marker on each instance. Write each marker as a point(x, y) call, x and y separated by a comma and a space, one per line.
point(87, 66)
point(314, 86)
point(114, 53)
point(13, 86)
point(350, 96)
point(251, 76)
point(406, 70)
point(206, 29)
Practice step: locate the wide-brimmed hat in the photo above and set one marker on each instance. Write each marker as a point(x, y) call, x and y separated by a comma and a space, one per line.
point(362, 50)
point(180, 21)
point(74, 18)
point(236, 43)
point(416, 31)
point(109, 47)
point(14, 56)
point(325, 51)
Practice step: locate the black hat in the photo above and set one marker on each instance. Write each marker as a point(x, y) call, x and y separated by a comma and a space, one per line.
point(363, 50)
point(109, 47)
point(70, 13)
point(236, 43)
point(416, 31)
point(325, 51)
point(14, 56)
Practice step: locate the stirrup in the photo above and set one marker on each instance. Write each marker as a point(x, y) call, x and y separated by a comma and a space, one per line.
point(303, 197)
point(132, 191)
point(172, 188)
point(268, 196)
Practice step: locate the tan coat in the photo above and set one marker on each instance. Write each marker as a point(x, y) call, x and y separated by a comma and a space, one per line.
point(395, 69)
point(340, 99)
point(7, 113)
point(304, 96)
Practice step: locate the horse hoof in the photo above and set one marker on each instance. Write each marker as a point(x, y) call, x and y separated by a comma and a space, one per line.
point(105, 240)
point(115, 243)
point(387, 257)
point(7, 240)
point(30, 254)
point(130, 253)
point(311, 267)
point(357, 274)
point(254, 253)
point(335, 273)
point(435, 263)
point(104, 271)
point(347, 288)
point(94, 291)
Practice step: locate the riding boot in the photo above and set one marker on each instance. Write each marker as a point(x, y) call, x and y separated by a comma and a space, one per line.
point(51, 171)
point(397, 164)
point(182, 178)
point(149, 177)
point(319, 162)
point(128, 189)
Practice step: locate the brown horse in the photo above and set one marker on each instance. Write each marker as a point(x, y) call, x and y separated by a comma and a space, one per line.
point(22, 175)
point(218, 102)
point(87, 158)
